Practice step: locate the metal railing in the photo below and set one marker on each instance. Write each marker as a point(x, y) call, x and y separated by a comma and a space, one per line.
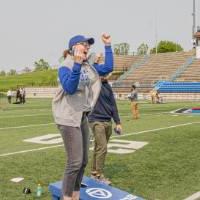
point(181, 69)
point(132, 68)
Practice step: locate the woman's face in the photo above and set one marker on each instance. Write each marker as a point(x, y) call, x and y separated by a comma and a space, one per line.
point(83, 47)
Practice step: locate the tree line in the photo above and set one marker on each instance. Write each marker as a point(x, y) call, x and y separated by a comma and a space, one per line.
point(143, 49)
point(119, 49)
point(39, 65)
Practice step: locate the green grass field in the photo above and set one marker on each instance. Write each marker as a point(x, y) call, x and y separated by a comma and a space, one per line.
point(31, 79)
point(167, 168)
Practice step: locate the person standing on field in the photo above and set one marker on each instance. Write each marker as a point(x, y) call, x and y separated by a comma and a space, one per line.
point(77, 94)
point(134, 102)
point(9, 96)
point(101, 125)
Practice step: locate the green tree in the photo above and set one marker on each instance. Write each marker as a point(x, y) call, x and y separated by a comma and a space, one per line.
point(116, 49)
point(166, 46)
point(142, 49)
point(2, 73)
point(12, 72)
point(27, 69)
point(121, 48)
point(41, 65)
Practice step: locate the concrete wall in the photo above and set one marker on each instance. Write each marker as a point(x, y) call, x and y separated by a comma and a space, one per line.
point(167, 97)
point(46, 92)
point(41, 92)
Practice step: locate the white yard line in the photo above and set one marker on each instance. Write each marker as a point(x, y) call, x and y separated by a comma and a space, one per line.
point(32, 125)
point(148, 114)
point(117, 136)
point(17, 116)
point(30, 150)
point(157, 129)
point(195, 196)
point(50, 113)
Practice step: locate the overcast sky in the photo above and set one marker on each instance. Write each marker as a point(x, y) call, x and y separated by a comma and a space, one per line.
point(34, 29)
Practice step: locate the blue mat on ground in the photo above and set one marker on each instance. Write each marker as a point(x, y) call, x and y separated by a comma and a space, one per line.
point(94, 190)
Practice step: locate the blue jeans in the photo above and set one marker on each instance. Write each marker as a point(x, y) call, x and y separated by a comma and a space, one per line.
point(76, 142)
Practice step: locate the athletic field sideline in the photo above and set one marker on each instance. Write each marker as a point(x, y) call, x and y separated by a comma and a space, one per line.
point(166, 168)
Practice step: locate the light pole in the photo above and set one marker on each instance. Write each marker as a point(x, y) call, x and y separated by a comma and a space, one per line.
point(194, 19)
point(156, 34)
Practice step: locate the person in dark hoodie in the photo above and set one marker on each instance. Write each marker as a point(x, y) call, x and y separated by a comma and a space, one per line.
point(76, 95)
point(100, 120)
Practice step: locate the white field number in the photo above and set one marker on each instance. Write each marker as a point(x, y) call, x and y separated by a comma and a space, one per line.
point(115, 146)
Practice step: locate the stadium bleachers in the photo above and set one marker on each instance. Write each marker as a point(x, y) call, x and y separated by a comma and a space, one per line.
point(179, 91)
point(149, 71)
point(158, 67)
point(191, 73)
point(122, 64)
point(178, 87)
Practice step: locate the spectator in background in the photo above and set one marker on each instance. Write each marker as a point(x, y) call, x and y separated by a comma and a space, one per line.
point(9, 96)
point(18, 96)
point(100, 120)
point(159, 99)
point(134, 102)
point(23, 95)
point(153, 96)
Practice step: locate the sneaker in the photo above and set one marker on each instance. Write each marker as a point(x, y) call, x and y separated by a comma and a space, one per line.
point(94, 175)
point(105, 180)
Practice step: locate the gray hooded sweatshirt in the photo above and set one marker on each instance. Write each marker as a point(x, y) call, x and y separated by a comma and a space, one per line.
point(68, 109)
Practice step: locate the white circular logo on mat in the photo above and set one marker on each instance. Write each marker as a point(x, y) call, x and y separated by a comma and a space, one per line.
point(99, 193)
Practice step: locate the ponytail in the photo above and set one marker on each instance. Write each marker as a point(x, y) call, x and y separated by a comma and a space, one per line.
point(65, 53)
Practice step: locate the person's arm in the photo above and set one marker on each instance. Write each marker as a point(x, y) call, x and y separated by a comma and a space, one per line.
point(107, 67)
point(69, 79)
point(115, 114)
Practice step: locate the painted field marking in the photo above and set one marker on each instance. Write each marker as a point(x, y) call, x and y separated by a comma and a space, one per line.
point(30, 150)
point(195, 196)
point(114, 146)
point(50, 114)
point(157, 129)
point(124, 146)
point(124, 135)
point(46, 139)
point(17, 116)
point(32, 125)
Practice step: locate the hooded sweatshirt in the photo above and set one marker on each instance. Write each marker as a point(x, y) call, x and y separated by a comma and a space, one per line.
point(79, 88)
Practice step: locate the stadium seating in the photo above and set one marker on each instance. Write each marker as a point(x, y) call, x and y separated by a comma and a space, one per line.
point(192, 73)
point(146, 72)
point(122, 64)
point(178, 87)
point(158, 67)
